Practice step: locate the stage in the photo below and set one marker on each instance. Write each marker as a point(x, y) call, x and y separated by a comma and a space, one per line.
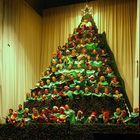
point(65, 131)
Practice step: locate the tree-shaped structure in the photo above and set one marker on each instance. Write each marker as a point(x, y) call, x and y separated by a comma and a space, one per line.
point(82, 74)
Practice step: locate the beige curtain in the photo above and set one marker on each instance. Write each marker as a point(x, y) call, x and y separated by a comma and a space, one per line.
point(116, 17)
point(136, 90)
point(1, 31)
point(19, 52)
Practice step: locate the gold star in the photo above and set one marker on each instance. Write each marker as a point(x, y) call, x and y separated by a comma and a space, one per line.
point(87, 10)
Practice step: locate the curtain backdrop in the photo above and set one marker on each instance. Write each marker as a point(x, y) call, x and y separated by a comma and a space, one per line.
point(116, 17)
point(136, 68)
point(20, 41)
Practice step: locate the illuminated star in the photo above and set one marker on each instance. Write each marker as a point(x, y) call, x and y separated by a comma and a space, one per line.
point(87, 10)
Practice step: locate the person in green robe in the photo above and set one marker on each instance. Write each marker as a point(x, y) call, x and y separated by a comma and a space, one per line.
point(97, 93)
point(68, 93)
point(117, 114)
point(86, 92)
point(124, 118)
point(97, 62)
point(135, 118)
point(92, 119)
point(82, 81)
point(107, 93)
point(117, 95)
point(86, 23)
point(70, 114)
point(39, 96)
point(92, 81)
point(80, 119)
point(109, 72)
point(48, 84)
point(53, 83)
point(90, 71)
point(78, 91)
point(102, 82)
point(114, 82)
point(90, 45)
point(28, 97)
point(48, 94)
point(20, 112)
point(8, 117)
point(55, 95)
point(72, 81)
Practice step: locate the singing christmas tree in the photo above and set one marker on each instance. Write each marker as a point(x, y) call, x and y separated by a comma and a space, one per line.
point(82, 84)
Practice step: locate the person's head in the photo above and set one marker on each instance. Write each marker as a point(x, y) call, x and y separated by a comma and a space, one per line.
point(136, 110)
point(77, 87)
point(43, 111)
point(84, 51)
point(71, 77)
point(97, 57)
point(124, 113)
point(53, 78)
point(117, 92)
point(118, 110)
point(114, 79)
point(96, 90)
point(108, 69)
point(62, 109)
point(26, 110)
point(103, 51)
point(62, 77)
point(66, 88)
point(94, 51)
point(39, 93)
point(86, 89)
point(106, 90)
point(35, 112)
point(33, 109)
point(99, 69)
point(67, 107)
point(55, 90)
point(28, 94)
point(88, 57)
point(48, 81)
point(102, 78)
point(81, 78)
point(20, 106)
point(55, 109)
point(46, 91)
point(41, 83)
point(10, 111)
point(80, 113)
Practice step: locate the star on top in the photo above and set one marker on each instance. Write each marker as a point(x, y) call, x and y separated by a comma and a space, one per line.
point(87, 10)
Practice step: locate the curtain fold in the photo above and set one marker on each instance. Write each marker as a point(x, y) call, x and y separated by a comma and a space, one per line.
point(117, 18)
point(20, 47)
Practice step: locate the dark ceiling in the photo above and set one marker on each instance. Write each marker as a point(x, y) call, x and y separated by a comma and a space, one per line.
point(39, 5)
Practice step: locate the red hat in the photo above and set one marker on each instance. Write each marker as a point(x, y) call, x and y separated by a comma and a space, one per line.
point(106, 114)
point(93, 113)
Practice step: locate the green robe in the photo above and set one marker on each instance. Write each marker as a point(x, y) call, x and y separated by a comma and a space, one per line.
point(97, 95)
point(78, 92)
point(80, 120)
point(20, 113)
point(91, 46)
point(109, 95)
point(69, 94)
point(87, 93)
point(97, 63)
point(70, 115)
point(49, 96)
point(103, 83)
point(110, 75)
point(89, 72)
